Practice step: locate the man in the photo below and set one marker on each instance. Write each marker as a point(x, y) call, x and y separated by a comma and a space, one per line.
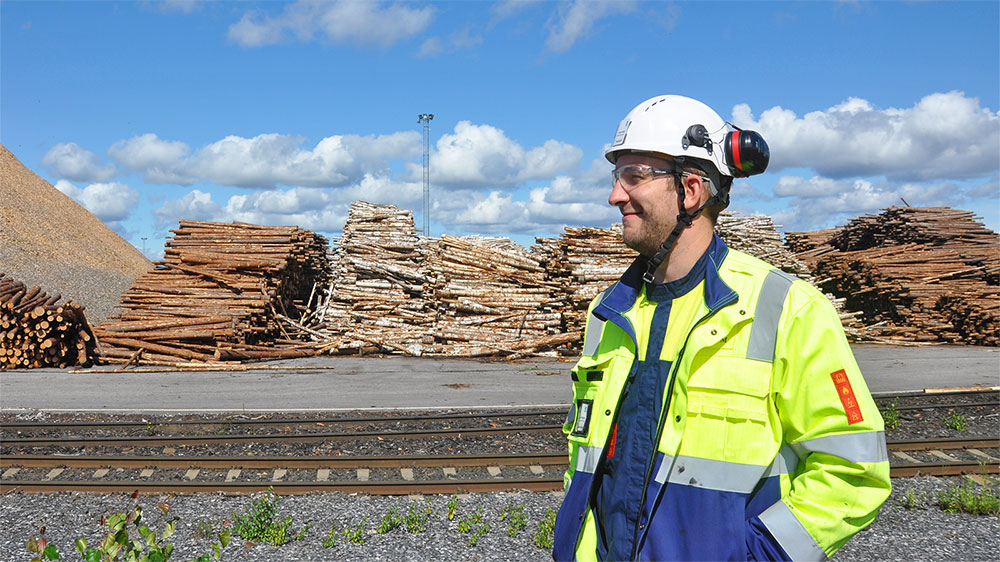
point(719, 413)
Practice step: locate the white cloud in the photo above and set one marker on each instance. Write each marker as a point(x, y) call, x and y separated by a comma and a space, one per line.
point(161, 161)
point(506, 8)
point(575, 19)
point(266, 160)
point(943, 136)
point(479, 156)
point(111, 202)
point(196, 205)
point(820, 202)
point(77, 164)
point(185, 6)
point(431, 47)
point(567, 201)
point(316, 209)
point(461, 40)
point(358, 22)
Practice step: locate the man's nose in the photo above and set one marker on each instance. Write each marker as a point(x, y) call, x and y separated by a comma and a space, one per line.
point(618, 195)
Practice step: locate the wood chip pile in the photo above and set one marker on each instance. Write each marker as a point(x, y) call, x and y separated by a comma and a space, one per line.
point(929, 274)
point(378, 294)
point(223, 292)
point(36, 331)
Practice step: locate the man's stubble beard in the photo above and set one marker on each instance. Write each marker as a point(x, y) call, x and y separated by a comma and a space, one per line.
point(649, 237)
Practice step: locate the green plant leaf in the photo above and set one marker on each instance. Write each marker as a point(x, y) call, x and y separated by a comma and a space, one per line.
point(224, 537)
point(33, 546)
point(169, 529)
point(81, 546)
point(51, 553)
point(116, 522)
point(157, 556)
point(92, 555)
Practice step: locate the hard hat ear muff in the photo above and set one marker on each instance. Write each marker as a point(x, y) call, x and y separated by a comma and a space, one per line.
point(747, 153)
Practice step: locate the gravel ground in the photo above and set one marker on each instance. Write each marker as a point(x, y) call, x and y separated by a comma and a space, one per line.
point(899, 533)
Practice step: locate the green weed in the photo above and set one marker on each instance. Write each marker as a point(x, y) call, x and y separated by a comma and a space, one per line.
point(452, 506)
point(258, 522)
point(545, 535)
point(390, 521)
point(912, 500)
point(891, 417)
point(968, 499)
point(956, 421)
point(516, 519)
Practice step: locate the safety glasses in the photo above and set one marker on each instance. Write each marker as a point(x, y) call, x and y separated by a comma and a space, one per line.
point(634, 175)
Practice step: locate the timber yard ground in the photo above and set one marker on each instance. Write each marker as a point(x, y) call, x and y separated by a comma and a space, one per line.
point(357, 383)
point(909, 527)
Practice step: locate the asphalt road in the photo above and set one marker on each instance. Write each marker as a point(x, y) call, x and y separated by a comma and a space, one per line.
point(353, 383)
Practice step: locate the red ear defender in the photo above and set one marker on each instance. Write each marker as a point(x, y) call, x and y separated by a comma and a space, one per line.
point(746, 153)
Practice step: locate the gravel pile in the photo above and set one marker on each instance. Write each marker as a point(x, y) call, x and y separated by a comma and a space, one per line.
point(48, 240)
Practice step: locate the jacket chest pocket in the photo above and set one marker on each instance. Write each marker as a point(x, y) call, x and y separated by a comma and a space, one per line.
point(590, 377)
point(730, 412)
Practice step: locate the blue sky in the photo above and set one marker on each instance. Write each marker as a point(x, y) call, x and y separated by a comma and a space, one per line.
point(147, 112)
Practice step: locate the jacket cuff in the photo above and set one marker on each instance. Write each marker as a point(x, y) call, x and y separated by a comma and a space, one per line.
point(789, 534)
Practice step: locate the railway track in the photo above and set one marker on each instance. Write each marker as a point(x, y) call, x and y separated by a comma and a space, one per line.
point(404, 474)
point(241, 455)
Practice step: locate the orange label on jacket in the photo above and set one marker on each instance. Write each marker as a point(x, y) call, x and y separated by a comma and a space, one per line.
point(611, 445)
point(846, 394)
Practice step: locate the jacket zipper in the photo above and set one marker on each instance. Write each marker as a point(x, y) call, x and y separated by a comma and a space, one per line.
point(660, 425)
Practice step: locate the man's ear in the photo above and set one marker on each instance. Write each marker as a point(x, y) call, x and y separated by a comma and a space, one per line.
point(696, 191)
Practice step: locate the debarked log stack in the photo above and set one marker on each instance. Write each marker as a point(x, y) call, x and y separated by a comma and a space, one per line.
point(36, 331)
point(585, 261)
point(495, 299)
point(377, 298)
point(914, 274)
point(223, 292)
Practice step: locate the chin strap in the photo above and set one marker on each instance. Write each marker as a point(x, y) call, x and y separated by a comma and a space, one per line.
point(684, 220)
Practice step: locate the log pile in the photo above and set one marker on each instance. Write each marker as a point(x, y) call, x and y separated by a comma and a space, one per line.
point(223, 292)
point(758, 236)
point(493, 298)
point(397, 292)
point(585, 261)
point(377, 297)
point(916, 274)
point(36, 331)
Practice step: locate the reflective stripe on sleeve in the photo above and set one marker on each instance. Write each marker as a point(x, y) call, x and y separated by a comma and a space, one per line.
point(868, 446)
point(790, 534)
point(764, 332)
point(587, 458)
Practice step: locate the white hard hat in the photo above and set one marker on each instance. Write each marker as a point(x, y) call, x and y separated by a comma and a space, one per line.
point(665, 125)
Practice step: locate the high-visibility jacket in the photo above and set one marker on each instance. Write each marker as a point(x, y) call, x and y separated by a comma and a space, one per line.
point(768, 443)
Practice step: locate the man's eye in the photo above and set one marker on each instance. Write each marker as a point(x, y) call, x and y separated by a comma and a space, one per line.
point(635, 176)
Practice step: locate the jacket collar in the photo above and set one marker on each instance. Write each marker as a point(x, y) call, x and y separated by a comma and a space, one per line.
point(621, 297)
